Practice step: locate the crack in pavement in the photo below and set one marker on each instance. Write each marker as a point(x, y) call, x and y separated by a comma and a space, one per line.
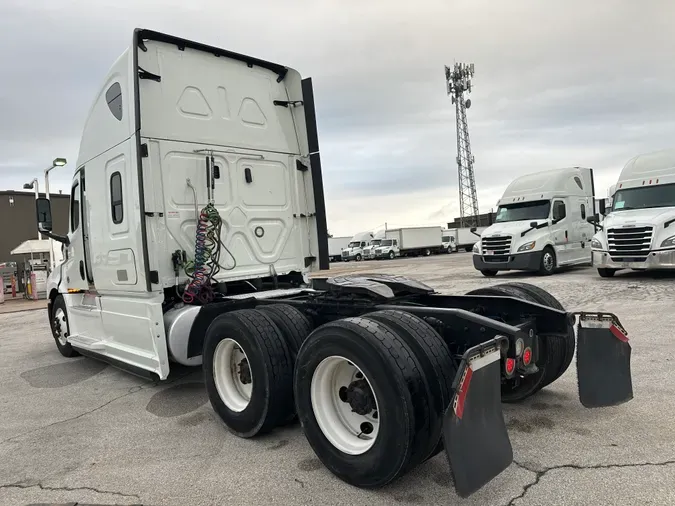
point(539, 474)
point(131, 391)
point(68, 489)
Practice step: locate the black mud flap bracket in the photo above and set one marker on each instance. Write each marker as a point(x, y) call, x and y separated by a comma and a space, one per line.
point(476, 442)
point(603, 361)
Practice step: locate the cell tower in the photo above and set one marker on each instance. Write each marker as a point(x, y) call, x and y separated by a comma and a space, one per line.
point(458, 80)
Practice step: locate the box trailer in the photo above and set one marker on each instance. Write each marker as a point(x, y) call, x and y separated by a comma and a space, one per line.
point(187, 244)
point(411, 241)
point(335, 247)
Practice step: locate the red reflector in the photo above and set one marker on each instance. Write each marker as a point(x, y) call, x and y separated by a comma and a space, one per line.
point(527, 356)
point(510, 365)
point(618, 333)
point(463, 391)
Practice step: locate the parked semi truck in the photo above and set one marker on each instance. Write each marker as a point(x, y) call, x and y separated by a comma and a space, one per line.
point(335, 247)
point(188, 243)
point(354, 250)
point(638, 231)
point(410, 241)
point(540, 224)
point(369, 251)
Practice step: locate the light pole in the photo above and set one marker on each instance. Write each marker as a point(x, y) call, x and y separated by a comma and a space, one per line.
point(34, 184)
point(58, 162)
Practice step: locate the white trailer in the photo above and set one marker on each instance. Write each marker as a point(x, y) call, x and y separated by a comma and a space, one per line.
point(335, 247)
point(412, 241)
point(196, 217)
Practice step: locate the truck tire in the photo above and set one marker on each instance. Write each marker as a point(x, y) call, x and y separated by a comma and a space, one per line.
point(58, 322)
point(606, 273)
point(437, 364)
point(468, 249)
point(392, 255)
point(358, 257)
point(561, 346)
point(489, 273)
point(294, 325)
point(248, 372)
point(427, 252)
point(548, 262)
point(358, 365)
point(517, 389)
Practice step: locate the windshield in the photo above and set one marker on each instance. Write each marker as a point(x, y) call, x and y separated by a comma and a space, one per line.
point(375, 242)
point(388, 242)
point(445, 238)
point(644, 197)
point(523, 211)
point(354, 244)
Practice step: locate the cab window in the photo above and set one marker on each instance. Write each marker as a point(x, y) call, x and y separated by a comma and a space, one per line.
point(75, 207)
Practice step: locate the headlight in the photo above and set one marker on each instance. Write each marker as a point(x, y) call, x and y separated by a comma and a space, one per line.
point(595, 244)
point(527, 246)
point(668, 242)
point(476, 248)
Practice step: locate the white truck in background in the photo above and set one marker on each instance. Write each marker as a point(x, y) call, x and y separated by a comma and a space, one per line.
point(369, 251)
point(197, 221)
point(335, 247)
point(410, 241)
point(638, 230)
point(540, 224)
point(464, 238)
point(354, 250)
point(448, 241)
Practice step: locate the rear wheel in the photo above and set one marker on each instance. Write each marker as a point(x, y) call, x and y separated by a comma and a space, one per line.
point(560, 346)
point(519, 387)
point(361, 399)
point(248, 372)
point(427, 252)
point(606, 273)
point(294, 325)
point(434, 356)
point(60, 328)
point(488, 273)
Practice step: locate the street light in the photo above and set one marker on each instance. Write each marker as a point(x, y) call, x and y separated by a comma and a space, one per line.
point(34, 184)
point(58, 162)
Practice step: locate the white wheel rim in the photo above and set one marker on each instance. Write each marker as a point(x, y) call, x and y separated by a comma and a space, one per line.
point(61, 326)
point(343, 427)
point(548, 261)
point(229, 374)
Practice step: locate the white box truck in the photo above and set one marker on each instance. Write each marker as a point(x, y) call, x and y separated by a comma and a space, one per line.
point(196, 216)
point(335, 247)
point(638, 230)
point(354, 250)
point(540, 224)
point(410, 241)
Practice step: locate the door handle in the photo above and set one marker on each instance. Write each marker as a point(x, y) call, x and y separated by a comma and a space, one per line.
point(82, 270)
point(565, 234)
point(247, 175)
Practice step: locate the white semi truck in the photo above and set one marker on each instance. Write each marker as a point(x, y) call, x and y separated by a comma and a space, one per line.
point(196, 217)
point(335, 247)
point(638, 230)
point(354, 250)
point(540, 224)
point(369, 251)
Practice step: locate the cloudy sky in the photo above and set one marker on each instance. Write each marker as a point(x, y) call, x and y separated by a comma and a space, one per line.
point(586, 83)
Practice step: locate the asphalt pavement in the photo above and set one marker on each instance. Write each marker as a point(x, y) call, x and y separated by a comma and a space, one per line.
point(80, 431)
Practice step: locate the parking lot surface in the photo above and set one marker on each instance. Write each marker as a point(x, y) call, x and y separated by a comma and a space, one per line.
point(77, 430)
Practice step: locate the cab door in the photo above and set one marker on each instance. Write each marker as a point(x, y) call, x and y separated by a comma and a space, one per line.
point(560, 231)
point(75, 268)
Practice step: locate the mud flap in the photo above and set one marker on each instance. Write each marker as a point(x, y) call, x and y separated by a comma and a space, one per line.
point(474, 433)
point(603, 361)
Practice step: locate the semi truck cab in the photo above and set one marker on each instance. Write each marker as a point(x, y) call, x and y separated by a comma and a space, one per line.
point(540, 224)
point(638, 230)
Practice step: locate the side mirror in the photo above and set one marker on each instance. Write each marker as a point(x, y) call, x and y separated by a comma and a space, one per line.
point(593, 219)
point(44, 214)
point(534, 224)
point(472, 230)
point(603, 210)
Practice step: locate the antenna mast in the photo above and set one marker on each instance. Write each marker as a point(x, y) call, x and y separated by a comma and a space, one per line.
point(458, 80)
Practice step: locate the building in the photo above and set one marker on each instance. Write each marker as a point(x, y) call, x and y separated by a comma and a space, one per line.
point(484, 220)
point(18, 221)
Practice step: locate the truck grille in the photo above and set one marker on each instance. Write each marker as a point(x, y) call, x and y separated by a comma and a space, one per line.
point(345, 253)
point(629, 244)
point(495, 246)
